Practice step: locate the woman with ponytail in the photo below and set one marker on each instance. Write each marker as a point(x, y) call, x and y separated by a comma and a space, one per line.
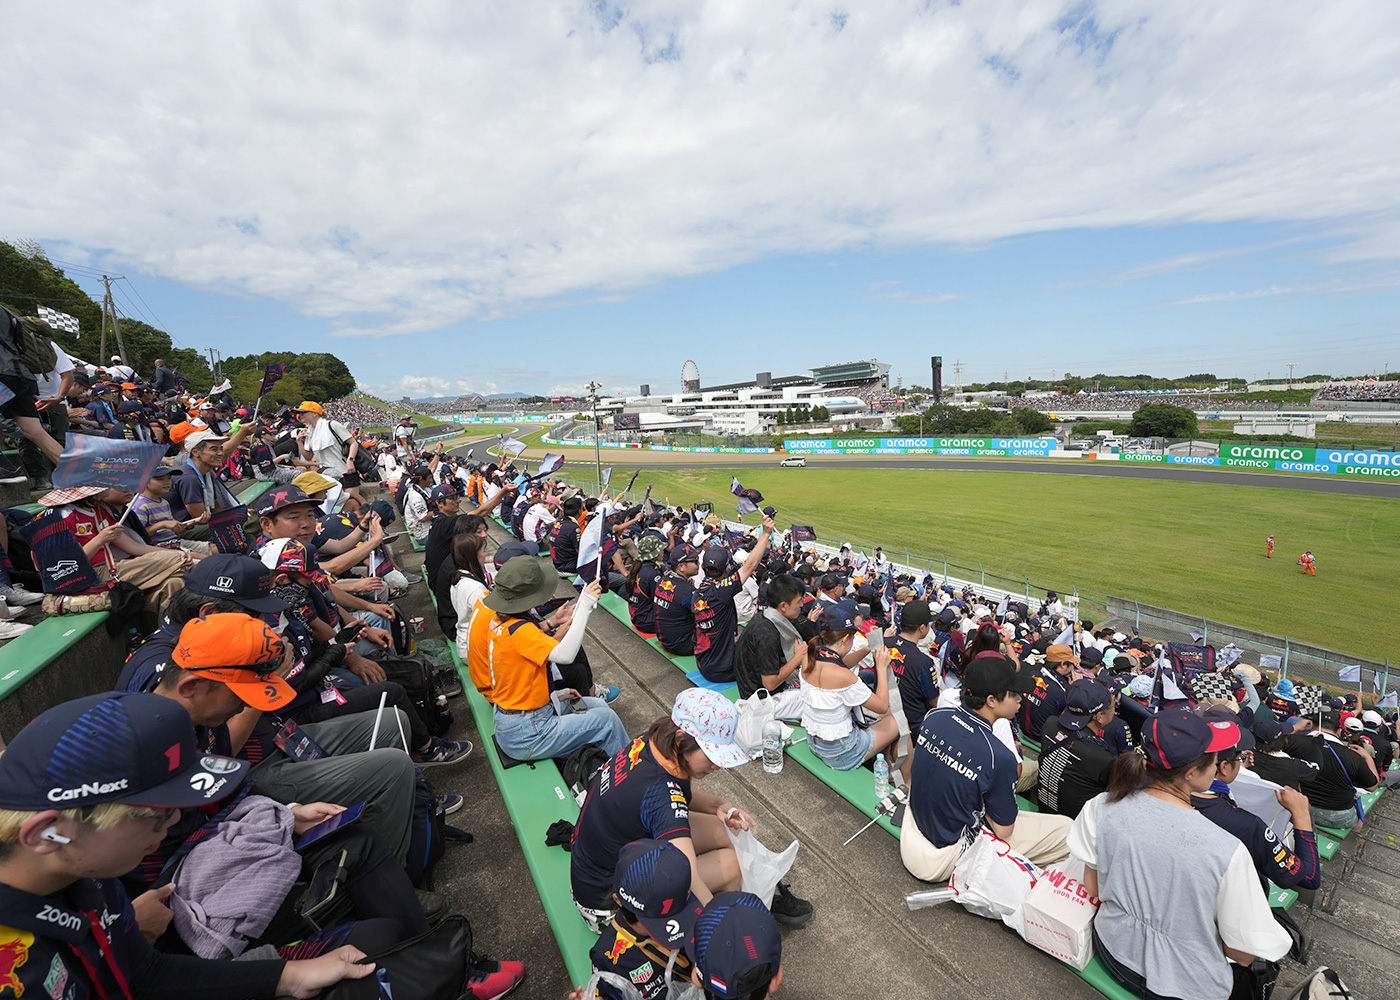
point(1182, 912)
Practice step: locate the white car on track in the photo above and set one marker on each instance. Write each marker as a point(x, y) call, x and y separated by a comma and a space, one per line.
point(794, 461)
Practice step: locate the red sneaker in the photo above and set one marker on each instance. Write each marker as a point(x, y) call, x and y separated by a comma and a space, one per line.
point(489, 979)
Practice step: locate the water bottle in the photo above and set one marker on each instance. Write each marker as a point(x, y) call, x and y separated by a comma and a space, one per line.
point(773, 747)
point(882, 778)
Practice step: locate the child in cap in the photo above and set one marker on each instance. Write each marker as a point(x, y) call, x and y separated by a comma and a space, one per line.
point(153, 511)
point(655, 913)
point(86, 790)
point(736, 948)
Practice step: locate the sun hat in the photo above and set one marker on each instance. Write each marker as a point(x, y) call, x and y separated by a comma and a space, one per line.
point(310, 482)
point(710, 719)
point(57, 498)
point(524, 582)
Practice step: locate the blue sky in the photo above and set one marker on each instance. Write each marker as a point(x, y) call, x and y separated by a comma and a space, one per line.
point(497, 197)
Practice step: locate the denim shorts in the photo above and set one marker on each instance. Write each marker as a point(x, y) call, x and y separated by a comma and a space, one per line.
point(847, 753)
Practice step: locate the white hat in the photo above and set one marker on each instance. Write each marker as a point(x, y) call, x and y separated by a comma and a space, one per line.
point(1372, 717)
point(116, 357)
point(1354, 724)
point(202, 437)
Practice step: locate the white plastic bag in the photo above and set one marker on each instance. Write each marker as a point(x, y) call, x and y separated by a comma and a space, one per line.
point(760, 868)
point(991, 880)
point(1058, 915)
point(754, 711)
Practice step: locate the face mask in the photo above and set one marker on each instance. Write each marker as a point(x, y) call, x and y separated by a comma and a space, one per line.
point(298, 600)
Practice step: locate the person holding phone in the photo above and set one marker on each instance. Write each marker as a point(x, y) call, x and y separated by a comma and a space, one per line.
point(835, 702)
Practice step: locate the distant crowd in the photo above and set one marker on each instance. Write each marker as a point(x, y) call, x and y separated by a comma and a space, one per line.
point(1379, 392)
point(1129, 401)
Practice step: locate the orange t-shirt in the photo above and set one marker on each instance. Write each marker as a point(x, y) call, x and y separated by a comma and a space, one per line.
point(517, 657)
point(479, 648)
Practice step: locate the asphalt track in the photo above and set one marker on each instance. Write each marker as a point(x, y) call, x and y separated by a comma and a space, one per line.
point(1339, 486)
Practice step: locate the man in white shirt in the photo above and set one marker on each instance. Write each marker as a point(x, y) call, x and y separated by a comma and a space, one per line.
point(403, 439)
point(121, 372)
point(538, 519)
point(54, 385)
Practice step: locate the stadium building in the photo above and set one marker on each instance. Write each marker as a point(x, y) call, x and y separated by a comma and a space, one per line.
point(845, 390)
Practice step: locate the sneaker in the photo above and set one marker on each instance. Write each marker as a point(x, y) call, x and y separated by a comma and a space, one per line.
point(10, 472)
point(608, 692)
point(13, 630)
point(17, 596)
point(449, 684)
point(441, 751)
point(788, 910)
point(451, 803)
point(488, 979)
point(412, 578)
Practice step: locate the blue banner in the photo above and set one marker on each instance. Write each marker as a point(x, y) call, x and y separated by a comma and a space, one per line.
point(228, 531)
point(106, 462)
point(63, 566)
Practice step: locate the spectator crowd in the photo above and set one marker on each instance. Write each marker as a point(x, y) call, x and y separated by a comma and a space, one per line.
point(1369, 392)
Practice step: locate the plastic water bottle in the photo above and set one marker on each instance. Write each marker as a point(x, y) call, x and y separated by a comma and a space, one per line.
point(882, 778)
point(773, 747)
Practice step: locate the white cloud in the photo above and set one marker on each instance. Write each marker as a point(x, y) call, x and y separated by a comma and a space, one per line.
point(396, 168)
point(423, 386)
point(893, 291)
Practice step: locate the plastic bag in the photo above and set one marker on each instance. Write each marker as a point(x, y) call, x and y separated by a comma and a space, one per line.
point(991, 880)
point(1058, 914)
point(760, 868)
point(754, 711)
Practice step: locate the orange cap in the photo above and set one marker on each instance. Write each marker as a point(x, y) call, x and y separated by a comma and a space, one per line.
point(242, 652)
point(180, 431)
point(307, 406)
point(128, 385)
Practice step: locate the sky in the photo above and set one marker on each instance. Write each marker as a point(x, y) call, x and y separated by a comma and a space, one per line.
point(496, 197)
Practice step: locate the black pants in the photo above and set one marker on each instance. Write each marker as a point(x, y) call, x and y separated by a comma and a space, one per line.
point(365, 698)
point(577, 675)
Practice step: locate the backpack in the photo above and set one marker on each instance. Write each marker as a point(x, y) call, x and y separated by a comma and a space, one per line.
point(365, 465)
point(415, 675)
point(431, 966)
point(1324, 984)
point(34, 339)
point(579, 768)
point(427, 835)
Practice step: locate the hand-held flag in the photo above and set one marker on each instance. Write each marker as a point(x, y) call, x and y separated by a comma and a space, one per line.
point(108, 462)
point(63, 566)
point(1350, 674)
point(607, 476)
point(271, 377)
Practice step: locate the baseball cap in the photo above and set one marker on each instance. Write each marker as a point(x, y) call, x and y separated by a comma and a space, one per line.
point(119, 746)
point(733, 936)
point(310, 482)
point(914, 614)
point(947, 616)
point(128, 385)
point(1083, 700)
point(1223, 713)
point(510, 550)
point(710, 718)
point(165, 470)
point(383, 508)
point(837, 618)
point(652, 878)
point(715, 560)
point(1090, 656)
point(309, 406)
point(1058, 653)
point(1267, 730)
point(681, 554)
point(286, 555)
point(235, 578)
point(240, 651)
point(1372, 718)
point(281, 496)
point(990, 675)
point(419, 471)
point(1354, 724)
point(1175, 739)
point(200, 437)
point(442, 491)
point(831, 580)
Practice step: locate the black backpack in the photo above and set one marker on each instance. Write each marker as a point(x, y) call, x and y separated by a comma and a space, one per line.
point(34, 339)
point(427, 835)
point(432, 966)
point(580, 766)
point(415, 675)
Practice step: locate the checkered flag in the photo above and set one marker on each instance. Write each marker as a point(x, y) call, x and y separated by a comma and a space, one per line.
point(58, 320)
point(1205, 686)
point(1309, 698)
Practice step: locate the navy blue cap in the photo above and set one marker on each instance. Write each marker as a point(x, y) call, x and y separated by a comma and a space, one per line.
point(831, 580)
point(165, 470)
point(120, 746)
point(510, 550)
point(1223, 713)
point(236, 578)
point(442, 491)
point(1175, 739)
point(383, 508)
point(281, 496)
point(652, 878)
point(681, 554)
point(734, 936)
point(419, 471)
point(1090, 656)
point(993, 674)
point(715, 560)
point(1083, 700)
point(837, 618)
point(1266, 730)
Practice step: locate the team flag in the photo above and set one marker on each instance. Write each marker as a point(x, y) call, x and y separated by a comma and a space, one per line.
point(1350, 674)
point(513, 446)
point(632, 482)
point(182, 383)
point(1003, 607)
point(607, 476)
point(1376, 681)
point(550, 464)
point(746, 506)
point(63, 567)
point(222, 387)
point(227, 531)
point(1066, 637)
point(753, 496)
point(804, 533)
point(1389, 701)
point(271, 377)
point(108, 462)
point(590, 542)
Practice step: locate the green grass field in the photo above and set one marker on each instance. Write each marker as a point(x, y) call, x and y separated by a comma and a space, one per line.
point(1193, 547)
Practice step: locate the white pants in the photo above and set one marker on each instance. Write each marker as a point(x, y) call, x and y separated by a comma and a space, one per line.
point(1039, 839)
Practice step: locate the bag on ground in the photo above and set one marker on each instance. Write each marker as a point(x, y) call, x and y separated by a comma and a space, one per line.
point(415, 675)
point(427, 834)
point(1058, 914)
point(1324, 984)
point(432, 966)
point(760, 868)
point(991, 880)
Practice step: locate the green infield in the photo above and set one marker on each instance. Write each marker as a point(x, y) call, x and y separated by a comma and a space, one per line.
point(1194, 547)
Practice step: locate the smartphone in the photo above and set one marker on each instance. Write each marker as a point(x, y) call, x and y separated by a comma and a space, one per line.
point(348, 633)
point(327, 826)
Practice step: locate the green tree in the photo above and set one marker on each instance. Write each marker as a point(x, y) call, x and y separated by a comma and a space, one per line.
point(1030, 421)
point(1163, 420)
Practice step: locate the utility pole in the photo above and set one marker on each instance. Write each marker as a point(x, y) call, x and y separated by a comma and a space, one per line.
point(110, 306)
point(958, 366)
point(216, 364)
point(593, 388)
point(1290, 376)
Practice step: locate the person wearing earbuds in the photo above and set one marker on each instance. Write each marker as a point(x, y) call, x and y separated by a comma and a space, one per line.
point(86, 790)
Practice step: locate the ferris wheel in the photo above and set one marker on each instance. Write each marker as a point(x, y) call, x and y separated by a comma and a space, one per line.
point(690, 376)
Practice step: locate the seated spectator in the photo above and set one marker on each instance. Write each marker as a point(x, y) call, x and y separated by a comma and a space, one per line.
point(1141, 835)
point(716, 616)
point(654, 914)
point(563, 536)
point(416, 506)
point(1076, 759)
point(1299, 867)
point(200, 490)
point(1046, 700)
point(641, 583)
point(469, 585)
point(1338, 772)
point(520, 653)
point(964, 774)
point(1281, 701)
point(115, 550)
point(772, 646)
point(131, 761)
point(915, 669)
point(645, 792)
point(674, 598)
point(153, 511)
point(832, 695)
point(1271, 761)
point(736, 948)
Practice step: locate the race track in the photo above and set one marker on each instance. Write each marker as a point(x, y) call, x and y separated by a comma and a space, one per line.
point(1337, 485)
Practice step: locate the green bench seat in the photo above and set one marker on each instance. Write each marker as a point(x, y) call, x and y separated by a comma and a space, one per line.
point(28, 654)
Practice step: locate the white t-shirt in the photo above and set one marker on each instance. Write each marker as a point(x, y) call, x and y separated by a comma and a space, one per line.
point(826, 714)
point(51, 381)
point(122, 373)
point(1001, 729)
point(536, 520)
point(465, 593)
